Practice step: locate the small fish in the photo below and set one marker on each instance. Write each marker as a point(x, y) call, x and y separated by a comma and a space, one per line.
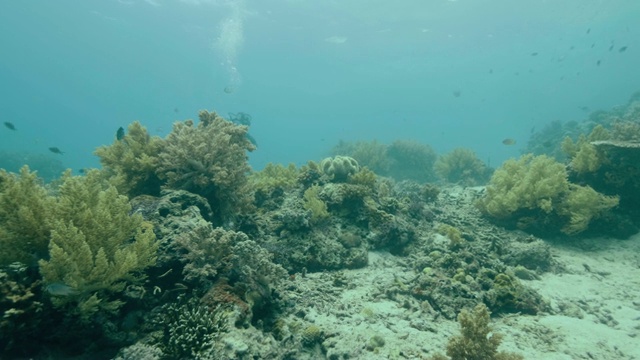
point(534, 54)
point(229, 89)
point(584, 108)
point(60, 289)
point(55, 150)
point(457, 93)
point(547, 143)
point(622, 49)
point(82, 171)
point(10, 126)
point(490, 71)
point(598, 63)
point(611, 47)
point(120, 133)
point(588, 30)
point(509, 141)
point(592, 45)
point(572, 47)
point(175, 110)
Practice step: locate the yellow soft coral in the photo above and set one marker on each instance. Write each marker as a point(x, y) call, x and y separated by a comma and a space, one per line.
point(527, 183)
point(131, 161)
point(25, 213)
point(97, 248)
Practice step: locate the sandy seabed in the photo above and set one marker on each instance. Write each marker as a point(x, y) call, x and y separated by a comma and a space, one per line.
point(594, 301)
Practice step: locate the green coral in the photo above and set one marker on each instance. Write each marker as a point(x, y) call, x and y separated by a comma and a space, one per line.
point(461, 166)
point(25, 215)
point(209, 159)
point(97, 248)
point(477, 340)
point(131, 162)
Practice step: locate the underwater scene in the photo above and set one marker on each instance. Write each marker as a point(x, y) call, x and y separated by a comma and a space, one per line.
point(297, 179)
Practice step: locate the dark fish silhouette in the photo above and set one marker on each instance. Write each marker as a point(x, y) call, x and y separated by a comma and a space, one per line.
point(588, 30)
point(229, 89)
point(611, 47)
point(9, 125)
point(120, 133)
point(534, 54)
point(509, 141)
point(598, 63)
point(55, 150)
point(622, 49)
point(457, 93)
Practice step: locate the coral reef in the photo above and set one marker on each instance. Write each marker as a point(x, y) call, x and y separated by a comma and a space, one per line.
point(26, 210)
point(131, 162)
point(476, 341)
point(97, 248)
point(339, 168)
point(411, 160)
point(209, 159)
point(534, 194)
point(190, 329)
point(371, 154)
point(461, 166)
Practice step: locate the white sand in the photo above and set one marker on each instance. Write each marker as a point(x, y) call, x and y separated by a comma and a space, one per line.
point(595, 303)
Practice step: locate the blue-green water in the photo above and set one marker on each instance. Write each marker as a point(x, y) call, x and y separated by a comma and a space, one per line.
point(311, 72)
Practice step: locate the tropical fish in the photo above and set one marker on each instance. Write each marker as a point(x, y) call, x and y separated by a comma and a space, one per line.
point(508, 141)
point(55, 150)
point(622, 49)
point(60, 289)
point(9, 125)
point(120, 133)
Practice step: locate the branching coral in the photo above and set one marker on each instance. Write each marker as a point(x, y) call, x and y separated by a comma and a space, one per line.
point(209, 159)
point(476, 341)
point(461, 166)
point(25, 214)
point(97, 248)
point(131, 161)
